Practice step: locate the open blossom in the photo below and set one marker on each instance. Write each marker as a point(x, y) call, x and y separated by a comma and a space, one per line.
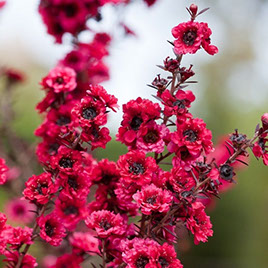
point(12, 259)
point(151, 137)
point(153, 199)
point(190, 140)
point(16, 236)
point(51, 229)
point(166, 256)
point(20, 211)
point(67, 160)
point(137, 113)
point(84, 243)
point(199, 223)
point(70, 211)
point(106, 223)
point(68, 260)
point(136, 168)
point(39, 189)
point(177, 104)
point(60, 80)
point(190, 36)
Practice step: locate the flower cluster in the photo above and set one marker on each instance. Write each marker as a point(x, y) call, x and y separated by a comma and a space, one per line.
point(128, 211)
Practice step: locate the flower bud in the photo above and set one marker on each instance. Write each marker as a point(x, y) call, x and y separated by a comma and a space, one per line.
point(264, 120)
point(193, 9)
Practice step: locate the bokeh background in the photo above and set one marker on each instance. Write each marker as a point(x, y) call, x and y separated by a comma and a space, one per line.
point(232, 93)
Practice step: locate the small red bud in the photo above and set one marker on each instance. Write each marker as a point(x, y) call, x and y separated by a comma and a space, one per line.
point(264, 120)
point(193, 9)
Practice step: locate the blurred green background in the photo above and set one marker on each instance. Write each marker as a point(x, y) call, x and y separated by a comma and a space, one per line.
point(232, 93)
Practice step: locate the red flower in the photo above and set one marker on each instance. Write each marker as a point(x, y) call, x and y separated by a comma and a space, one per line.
point(51, 229)
point(12, 259)
point(3, 171)
point(191, 139)
point(84, 243)
point(178, 104)
point(136, 168)
point(199, 223)
point(136, 113)
point(60, 79)
point(39, 189)
point(58, 122)
point(153, 199)
point(70, 211)
point(75, 185)
point(165, 256)
point(67, 160)
point(151, 137)
point(68, 260)
point(97, 137)
point(16, 236)
point(106, 223)
point(189, 36)
point(138, 253)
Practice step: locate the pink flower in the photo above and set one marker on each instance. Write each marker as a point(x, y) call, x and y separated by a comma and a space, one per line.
point(12, 259)
point(136, 168)
point(51, 229)
point(67, 160)
point(106, 223)
point(151, 137)
point(199, 223)
point(153, 199)
point(70, 211)
point(39, 189)
point(136, 114)
point(84, 243)
point(189, 36)
point(19, 210)
point(60, 80)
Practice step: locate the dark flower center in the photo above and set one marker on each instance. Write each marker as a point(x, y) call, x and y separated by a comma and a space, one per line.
point(179, 103)
point(189, 37)
point(105, 224)
point(136, 122)
point(59, 80)
point(151, 200)
point(106, 179)
point(63, 120)
point(73, 183)
point(70, 210)
point(190, 135)
point(163, 262)
point(184, 153)
point(53, 148)
point(136, 168)
point(141, 262)
point(49, 229)
point(226, 172)
point(40, 187)
point(19, 210)
point(66, 162)
point(151, 137)
point(70, 10)
point(89, 113)
point(261, 143)
point(95, 133)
